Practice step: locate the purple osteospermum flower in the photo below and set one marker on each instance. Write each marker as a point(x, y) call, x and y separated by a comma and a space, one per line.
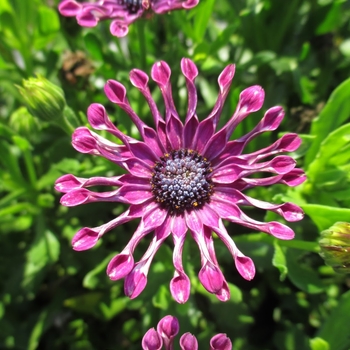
point(168, 328)
point(122, 12)
point(183, 177)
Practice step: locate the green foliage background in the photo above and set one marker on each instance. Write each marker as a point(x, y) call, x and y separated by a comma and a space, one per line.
point(54, 298)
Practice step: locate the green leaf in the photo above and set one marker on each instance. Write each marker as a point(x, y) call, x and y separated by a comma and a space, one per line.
point(333, 145)
point(87, 303)
point(48, 20)
point(43, 252)
point(319, 344)
point(335, 330)
point(97, 277)
point(335, 113)
point(204, 10)
point(22, 143)
point(279, 260)
point(325, 216)
point(161, 299)
point(38, 330)
point(331, 20)
point(301, 274)
point(236, 294)
point(94, 46)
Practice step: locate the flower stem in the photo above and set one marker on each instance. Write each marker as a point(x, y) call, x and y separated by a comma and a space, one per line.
point(142, 43)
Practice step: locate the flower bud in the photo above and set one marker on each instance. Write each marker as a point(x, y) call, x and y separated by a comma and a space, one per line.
point(24, 124)
point(43, 99)
point(335, 247)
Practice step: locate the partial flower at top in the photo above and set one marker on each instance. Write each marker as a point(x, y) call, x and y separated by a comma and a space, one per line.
point(167, 329)
point(121, 12)
point(183, 177)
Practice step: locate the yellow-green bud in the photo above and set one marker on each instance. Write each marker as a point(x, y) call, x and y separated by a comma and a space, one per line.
point(335, 247)
point(24, 124)
point(43, 99)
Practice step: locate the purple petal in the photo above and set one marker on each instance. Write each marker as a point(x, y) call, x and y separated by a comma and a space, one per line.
point(120, 266)
point(180, 284)
point(294, 178)
point(138, 168)
point(224, 293)
point(233, 213)
point(77, 197)
point(115, 91)
point(86, 18)
point(83, 141)
point(178, 226)
point(250, 100)
point(99, 120)
point(180, 287)
point(119, 28)
point(193, 222)
point(245, 267)
point(140, 80)
point(135, 282)
point(168, 327)
point(220, 342)
point(86, 141)
point(287, 143)
point(85, 238)
point(269, 122)
point(229, 170)
point(289, 211)
point(151, 340)
point(210, 216)
point(215, 145)
point(174, 130)
point(69, 182)
point(211, 278)
point(166, 6)
point(189, 132)
point(188, 342)
point(190, 71)
point(161, 73)
point(69, 8)
point(207, 127)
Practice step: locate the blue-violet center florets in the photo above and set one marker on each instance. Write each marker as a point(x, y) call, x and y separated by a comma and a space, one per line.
point(180, 181)
point(132, 5)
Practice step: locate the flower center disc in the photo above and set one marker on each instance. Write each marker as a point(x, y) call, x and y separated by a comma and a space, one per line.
point(180, 181)
point(132, 5)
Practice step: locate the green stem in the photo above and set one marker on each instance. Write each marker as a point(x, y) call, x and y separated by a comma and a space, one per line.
point(69, 122)
point(28, 159)
point(142, 42)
